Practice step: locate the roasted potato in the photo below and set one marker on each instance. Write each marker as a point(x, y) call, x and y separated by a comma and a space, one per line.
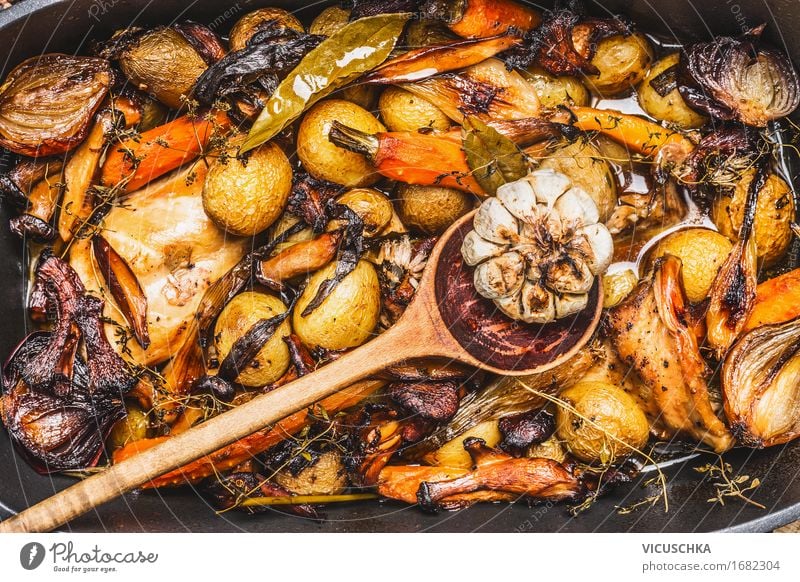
point(248, 25)
point(239, 315)
point(452, 453)
point(329, 21)
point(702, 252)
point(587, 168)
point(131, 428)
point(775, 211)
point(325, 161)
point(327, 476)
point(401, 110)
point(421, 32)
point(365, 96)
point(347, 317)
point(605, 426)
point(623, 61)
point(431, 209)
point(671, 107)
point(164, 64)
point(554, 91)
point(246, 195)
point(372, 206)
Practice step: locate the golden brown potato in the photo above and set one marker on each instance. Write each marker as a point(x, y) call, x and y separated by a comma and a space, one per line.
point(365, 96)
point(347, 317)
point(422, 32)
point(164, 64)
point(329, 21)
point(372, 206)
point(327, 476)
point(239, 315)
point(549, 449)
point(453, 454)
point(554, 91)
point(607, 423)
point(702, 252)
point(774, 214)
point(584, 164)
point(671, 107)
point(131, 428)
point(431, 209)
point(248, 24)
point(401, 110)
point(325, 161)
point(245, 196)
point(623, 61)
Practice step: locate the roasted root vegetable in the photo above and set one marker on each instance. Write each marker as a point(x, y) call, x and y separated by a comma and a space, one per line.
point(621, 62)
point(487, 90)
point(483, 18)
point(760, 385)
point(245, 194)
point(321, 158)
point(431, 209)
point(554, 91)
point(777, 301)
point(496, 476)
point(136, 162)
point(412, 158)
point(252, 22)
point(299, 259)
point(659, 96)
point(401, 110)
point(47, 103)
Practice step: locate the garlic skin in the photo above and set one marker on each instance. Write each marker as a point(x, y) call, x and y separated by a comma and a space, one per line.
point(537, 247)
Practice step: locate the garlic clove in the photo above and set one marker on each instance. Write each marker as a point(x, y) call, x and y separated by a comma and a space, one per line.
point(570, 304)
point(519, 199)
point(576, 207)
point(500, 276)
point(510, 306)
point(548, 185)
point(568, 274)
point(538, 304)
point(602, 244)
point(476, 249)
point(496, 224)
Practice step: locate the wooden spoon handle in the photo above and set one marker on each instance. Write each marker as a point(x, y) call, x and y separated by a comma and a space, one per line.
point(213, 434)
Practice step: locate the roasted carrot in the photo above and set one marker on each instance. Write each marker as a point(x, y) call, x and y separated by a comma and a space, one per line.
point(162, 149)
point(482, 18)
point(638, 134)
point(413, 158)
point(301, 258)
point(777, 301)
point(244, 449)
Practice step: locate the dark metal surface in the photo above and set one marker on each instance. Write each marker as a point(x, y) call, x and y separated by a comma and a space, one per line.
point(37, 26)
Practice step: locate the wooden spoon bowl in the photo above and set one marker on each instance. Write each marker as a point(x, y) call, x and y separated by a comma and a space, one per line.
point(446, 319)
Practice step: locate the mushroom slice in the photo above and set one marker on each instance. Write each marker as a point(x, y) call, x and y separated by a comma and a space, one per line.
point(500, 276)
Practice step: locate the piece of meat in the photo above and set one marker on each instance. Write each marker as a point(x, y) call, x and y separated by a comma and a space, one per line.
point(175, 251)
point(652, 330)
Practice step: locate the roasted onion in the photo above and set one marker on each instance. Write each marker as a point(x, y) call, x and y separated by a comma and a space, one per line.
point(737, 78)
point(761, 385)
point(47, 103)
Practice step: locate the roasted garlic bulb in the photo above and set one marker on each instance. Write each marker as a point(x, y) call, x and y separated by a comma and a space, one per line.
point(537, 247)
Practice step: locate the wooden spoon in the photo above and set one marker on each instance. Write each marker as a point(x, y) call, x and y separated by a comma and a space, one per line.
point(446, 319)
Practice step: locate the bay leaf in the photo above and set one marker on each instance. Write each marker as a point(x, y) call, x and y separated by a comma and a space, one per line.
point(355, 49)
point(493, 158)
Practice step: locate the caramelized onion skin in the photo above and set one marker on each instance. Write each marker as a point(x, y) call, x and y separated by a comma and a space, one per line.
point(47, 103)
point(761, 385)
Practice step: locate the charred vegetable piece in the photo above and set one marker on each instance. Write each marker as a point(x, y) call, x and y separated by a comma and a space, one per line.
point(487, 90)
point(124, 286)
point(654, 331)
point(523, 430)
point(760, 380)
point(437, 488)
point(436, 401)
point(309, 199)
point(229, 491)
point(47, 103)
point(243, 450)
point(18, 182)
point(299, 259)
point(365, 8)
point(253, 22)
point(329, 66)
point(412, 158)
point(162, 149)
point(739, 79)
point(428, 61)
point(482, 18)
